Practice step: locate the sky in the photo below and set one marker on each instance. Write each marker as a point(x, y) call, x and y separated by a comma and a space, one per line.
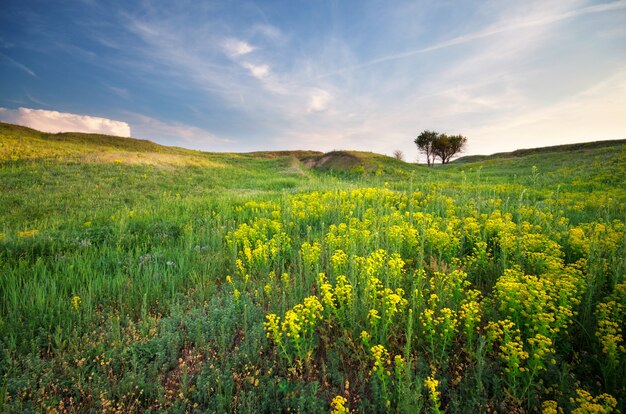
point(318, 75)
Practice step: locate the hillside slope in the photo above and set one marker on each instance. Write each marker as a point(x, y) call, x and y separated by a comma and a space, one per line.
point(567, 148)
point(22, 143)
point(575, 167)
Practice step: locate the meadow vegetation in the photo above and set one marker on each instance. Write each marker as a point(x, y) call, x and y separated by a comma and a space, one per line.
point(162, 279)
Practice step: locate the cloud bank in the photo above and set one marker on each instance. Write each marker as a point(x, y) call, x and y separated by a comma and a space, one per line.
point(53, 121)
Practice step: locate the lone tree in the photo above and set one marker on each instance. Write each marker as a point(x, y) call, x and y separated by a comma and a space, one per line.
point(434, 145)
point(424, 142)
point(447, 146)
point(399, 155)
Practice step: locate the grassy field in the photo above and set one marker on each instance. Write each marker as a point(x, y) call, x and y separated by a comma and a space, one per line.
point(136, 277)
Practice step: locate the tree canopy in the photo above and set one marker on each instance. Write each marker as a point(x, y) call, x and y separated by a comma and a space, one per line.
point(434, 144)
point(424, 142)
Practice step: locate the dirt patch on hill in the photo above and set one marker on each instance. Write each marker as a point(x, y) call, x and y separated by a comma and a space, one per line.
point(336, 160)
point(294, 167)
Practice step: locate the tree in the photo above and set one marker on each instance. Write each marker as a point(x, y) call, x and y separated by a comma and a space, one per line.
point(399, 155)
point(433, 145)
point(446, 146)
point(424, 142)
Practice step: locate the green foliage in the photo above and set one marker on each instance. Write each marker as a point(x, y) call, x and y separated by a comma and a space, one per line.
point(434, 144)
point(425, 142)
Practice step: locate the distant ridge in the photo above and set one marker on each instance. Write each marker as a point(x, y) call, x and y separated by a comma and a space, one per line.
point(89, 139)
point(542, 150)
point(20, 142)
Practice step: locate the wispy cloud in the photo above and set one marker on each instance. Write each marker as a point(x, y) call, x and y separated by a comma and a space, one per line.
point(236, 47)
point(12, 62)
point(53, 121)
point(121, 92)
point(319, 101)
point(258, 71)
point(499, 28)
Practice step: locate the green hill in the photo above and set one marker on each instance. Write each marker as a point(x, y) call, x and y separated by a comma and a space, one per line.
point(581, 148)
point(576, 167)
point(22, 143)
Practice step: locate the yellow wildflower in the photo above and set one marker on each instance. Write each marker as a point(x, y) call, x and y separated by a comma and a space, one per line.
point(27, 233)
point(76, 302)
point(339, 406)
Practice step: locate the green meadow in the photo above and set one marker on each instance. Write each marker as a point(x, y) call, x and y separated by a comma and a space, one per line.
point(141, 278)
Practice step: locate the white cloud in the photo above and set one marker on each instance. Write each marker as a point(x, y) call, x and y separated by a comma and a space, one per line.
point(258, 71)
point(235, 47)
point(53, 121)
point(319, 101)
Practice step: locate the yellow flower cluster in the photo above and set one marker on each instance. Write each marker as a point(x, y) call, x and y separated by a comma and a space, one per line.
point(441, 242)
point(310, 253)
point(403, 234)
point(579, 242)
point(335, 299)
point(339, 261)
point(393, 302)
point(76, 302)
point(540, 304)
point(258, 245)
point(540, 252)
point(539, 347)
point(303, 317)
point(27, 233)
point(272, 328)
point(511, 347)
point(257, 208)
point(339, 405)
point(343, 292)
point(432, 386)
point(448, 288)
point(443, 325)
point(373, 317)
point(472, 230)
point(381, 361)
point(588, 404)
point(429, 246)
point(471, 314)
point(550, 407)
point(345, 237)
point(326, 292)
point(611, 315)
point(297, 326)
point(500, 228)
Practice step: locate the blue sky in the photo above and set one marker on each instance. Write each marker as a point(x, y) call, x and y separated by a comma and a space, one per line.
point(322, 75)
